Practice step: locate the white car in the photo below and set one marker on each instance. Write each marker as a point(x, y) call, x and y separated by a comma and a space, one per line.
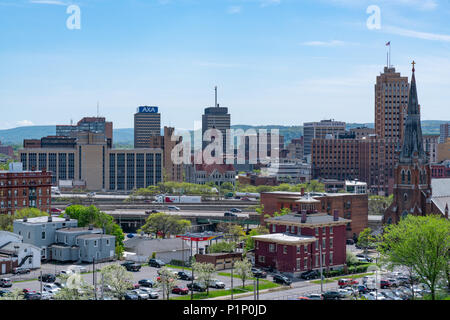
point(151, 292)
point(67, 272)
point(79, 269)
point(143, 295)
point(344, 293)
point(50, 288)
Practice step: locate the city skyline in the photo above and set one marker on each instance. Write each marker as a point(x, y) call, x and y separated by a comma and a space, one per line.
point(171, 54)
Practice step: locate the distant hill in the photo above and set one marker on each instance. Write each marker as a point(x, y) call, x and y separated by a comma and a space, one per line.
point(125, 137)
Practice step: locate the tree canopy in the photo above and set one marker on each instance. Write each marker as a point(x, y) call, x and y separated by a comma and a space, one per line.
point(6, 221)
point(420, 243)
point(165, 224)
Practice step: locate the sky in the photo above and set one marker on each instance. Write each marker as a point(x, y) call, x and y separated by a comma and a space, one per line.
point(282, 62)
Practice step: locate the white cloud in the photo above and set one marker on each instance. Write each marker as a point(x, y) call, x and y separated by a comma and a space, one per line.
point(234, 10)
point(24, 123)
point(416, 34)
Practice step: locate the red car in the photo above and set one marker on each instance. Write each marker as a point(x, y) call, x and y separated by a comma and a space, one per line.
point(385, 284)
point(347, 282)
point(180, 290)
point(55, 210)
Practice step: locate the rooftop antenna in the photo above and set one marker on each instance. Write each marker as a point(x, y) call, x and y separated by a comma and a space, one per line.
point(215, 89)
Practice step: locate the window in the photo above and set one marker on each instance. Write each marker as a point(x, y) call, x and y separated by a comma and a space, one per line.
point(331, 230)
point(317, 231)
point(95, 243)
point(261, 259)
point(284, 249)
point(298, 263)
point(298, 249)
point(317, 260)
point(274, 228)
point(43, 235)
point(272, 247)
point(305, 248)
point(324, 230)
point(331, 258)
point(29, 235)
point(331, 243)
point(305, 263)
point(317, 245)
point(256, 244)
point(324, 243)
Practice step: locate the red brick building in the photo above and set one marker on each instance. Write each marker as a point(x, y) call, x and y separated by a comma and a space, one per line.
point(25, 189)
point(354, 207)
point(7, 150)
point(301, 242)
point(257, 180)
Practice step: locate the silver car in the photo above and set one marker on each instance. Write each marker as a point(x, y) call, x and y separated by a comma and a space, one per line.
point(141, 294)
point(151, 292)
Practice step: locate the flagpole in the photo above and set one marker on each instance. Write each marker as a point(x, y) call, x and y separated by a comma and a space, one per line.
point(389, 54)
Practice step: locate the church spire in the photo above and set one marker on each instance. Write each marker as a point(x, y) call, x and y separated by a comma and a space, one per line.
point(412, 140)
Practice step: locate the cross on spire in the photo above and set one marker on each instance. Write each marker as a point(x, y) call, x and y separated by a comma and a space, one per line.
point(413, 64)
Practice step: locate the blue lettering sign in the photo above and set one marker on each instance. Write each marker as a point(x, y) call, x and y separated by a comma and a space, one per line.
point(148, 109)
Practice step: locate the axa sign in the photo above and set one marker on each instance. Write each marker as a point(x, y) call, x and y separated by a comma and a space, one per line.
point(147, 109)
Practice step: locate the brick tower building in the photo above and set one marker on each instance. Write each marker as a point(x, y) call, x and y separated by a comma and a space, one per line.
point(412, 174)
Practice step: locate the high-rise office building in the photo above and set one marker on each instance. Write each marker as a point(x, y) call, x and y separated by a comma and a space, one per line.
point(445, 132)
point(97, 125)
point(216, 118)
point(320, 130)
point(147, 127)
point(391, 104)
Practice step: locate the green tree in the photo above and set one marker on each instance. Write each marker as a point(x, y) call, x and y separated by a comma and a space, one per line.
point(118, 279)
point(366, 239)
point(351, 259)
point(76, 288)
point(379, 204)
point(165, 224)
point(16, 294)
point(166, 281)
point(420, 243)
point(7, 221)
point(222, 246)
point(204, 273)
point(280, 213)
point(243, 270)
point(250, 243)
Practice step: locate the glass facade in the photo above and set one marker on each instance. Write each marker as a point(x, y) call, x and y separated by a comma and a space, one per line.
point(120, 171)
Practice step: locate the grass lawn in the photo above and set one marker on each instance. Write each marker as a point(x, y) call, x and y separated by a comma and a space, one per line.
point(263, 284)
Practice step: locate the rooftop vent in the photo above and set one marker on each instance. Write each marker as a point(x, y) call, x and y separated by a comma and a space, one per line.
point(91, 227)
point(25, 219)
point(49, 219)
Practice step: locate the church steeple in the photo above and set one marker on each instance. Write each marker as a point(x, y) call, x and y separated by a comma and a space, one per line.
point(412, 139)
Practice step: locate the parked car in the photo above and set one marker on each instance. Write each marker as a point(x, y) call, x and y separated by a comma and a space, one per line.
point(5, 283)
point(196, 286)
point(60, 285)
point(385, 284)
point(32, 296)
point(146, 283)
point(156, 263)
point(130, 235)
point(278, 278)
point(135, 267)
point(308, 275)
point(184, 275)
point(258, 273)
point(4, 292)
point(91, 194)
point(364, 260)
point(67, 272)
point(390, 295)
point(229, 214)
point(344, 293)
point(142, 295)
point(47, 277)
point(235, 210)
point(362, 289)
point(350, 242)
point(347, 282)
point(331, 295)
point(50, 288)
point(245, 199)
point(131, 296)
point(151, 293)
point(77, 268)
point(182, 290)
point(303, 298)
point(173, 208)
point(315, 296)
point(27, 290)
point(21, 270)
point(151, 211)
point(214, 283)
point(55, 210)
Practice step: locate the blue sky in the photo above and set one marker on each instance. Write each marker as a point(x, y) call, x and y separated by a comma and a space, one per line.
point(274, 61)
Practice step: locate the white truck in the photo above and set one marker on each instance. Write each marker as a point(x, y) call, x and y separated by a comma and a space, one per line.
point(178, 199)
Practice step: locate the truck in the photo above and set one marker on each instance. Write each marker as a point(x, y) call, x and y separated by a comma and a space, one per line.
point(247, 194)
point(178, 199)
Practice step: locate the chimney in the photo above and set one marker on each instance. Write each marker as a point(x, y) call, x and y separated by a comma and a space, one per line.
point(49, 219)
point(25, 219)
point(335, 215)
point(302, 190)
point(91, 227)
point(303, 216)
point(67, 217)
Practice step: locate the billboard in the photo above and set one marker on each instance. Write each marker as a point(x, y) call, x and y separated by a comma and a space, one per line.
point(147, 109)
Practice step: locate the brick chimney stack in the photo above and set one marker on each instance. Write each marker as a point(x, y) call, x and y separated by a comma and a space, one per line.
point(303, 216)
point(49, 219)
point(302, 190)
point(335, 215)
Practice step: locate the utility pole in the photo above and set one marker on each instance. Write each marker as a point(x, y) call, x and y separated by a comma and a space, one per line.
point(192, 282)
point(257, 288)
point(41, 282)
point(232, 266)
point(93, 278)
